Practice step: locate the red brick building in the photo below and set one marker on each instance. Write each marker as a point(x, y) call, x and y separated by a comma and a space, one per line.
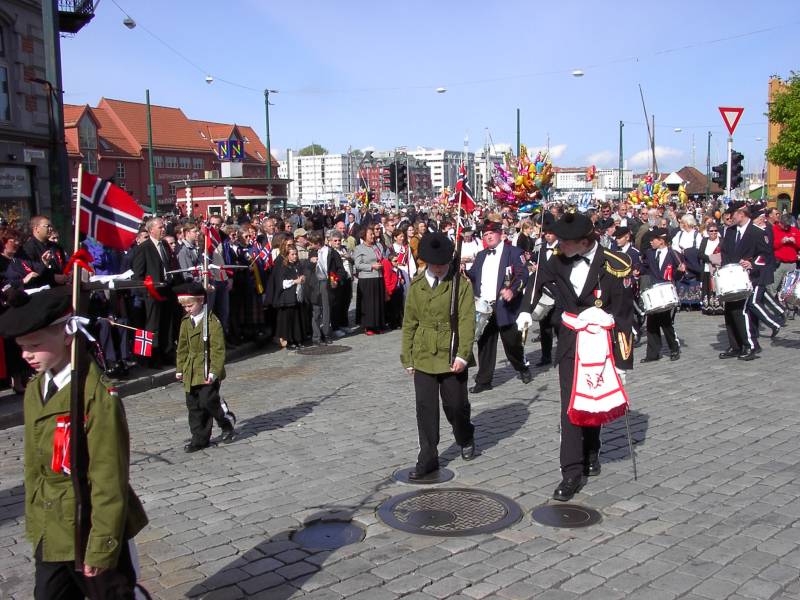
point(111, 141)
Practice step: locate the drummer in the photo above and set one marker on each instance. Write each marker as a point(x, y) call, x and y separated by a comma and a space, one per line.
point(662, 264)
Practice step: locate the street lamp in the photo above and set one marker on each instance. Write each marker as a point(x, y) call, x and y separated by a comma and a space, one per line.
point(577, 73)
point(129, 22)
point(441, 90)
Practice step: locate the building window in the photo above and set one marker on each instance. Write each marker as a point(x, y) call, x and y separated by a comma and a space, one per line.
point(198, 163)
point(159, 190)
point(5, 95)
point(171, 162)
point(121, 171)
point(90, 161)
point(87, 134)
point(185, 162)
point(173, 191)
point(158, 162)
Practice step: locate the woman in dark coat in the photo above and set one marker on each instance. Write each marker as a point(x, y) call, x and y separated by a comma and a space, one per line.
point(367, 260)
point(288, 279)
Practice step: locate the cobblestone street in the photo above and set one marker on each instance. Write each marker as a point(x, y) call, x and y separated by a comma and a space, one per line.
point(715, 512)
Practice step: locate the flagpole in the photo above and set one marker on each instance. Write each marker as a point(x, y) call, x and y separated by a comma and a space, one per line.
point(206, 366)
point(79, 452)
point(455, 284)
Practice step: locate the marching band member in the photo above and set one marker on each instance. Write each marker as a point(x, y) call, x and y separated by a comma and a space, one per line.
point(762, 305)
point(545, 251)
point(498, 276)
point(585, 277)
point(746, 245)
point(623, 237)
point(426, 347)
point(661, 263)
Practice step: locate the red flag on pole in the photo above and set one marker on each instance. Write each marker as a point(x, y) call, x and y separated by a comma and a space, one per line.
point(108, 213)
point(463, 190)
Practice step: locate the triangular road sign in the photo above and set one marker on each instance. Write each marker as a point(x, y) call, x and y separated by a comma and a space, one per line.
point(731, 116)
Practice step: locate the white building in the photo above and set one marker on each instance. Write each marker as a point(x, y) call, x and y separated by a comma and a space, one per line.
point(573, 179)
point(444, 164)
point(319, 179)
point(484, 167)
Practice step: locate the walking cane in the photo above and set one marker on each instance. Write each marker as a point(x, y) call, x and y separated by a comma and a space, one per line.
point(630, 440)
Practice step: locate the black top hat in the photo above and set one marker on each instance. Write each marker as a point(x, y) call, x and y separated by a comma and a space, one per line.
point(621, 231)
point(27, 313)
point(436, 248)
point(573, 226)
point(547, 220)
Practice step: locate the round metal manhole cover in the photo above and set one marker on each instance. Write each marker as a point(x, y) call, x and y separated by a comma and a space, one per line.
point(321, 350)
point(449, 512)
point(565, 515)
point(439, 476)
point(328, 535)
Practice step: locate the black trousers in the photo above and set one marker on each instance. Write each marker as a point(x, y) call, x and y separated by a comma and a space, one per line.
point(60, 580)
point(546, 334)
point(452, 388)
point(203, 404)
point(656, 322)
point(487, 349)
point(742, 331)
point(160, 320)
point(763, 308)
point(578, 444)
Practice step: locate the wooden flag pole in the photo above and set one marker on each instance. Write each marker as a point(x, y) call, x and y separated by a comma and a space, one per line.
point(79, 451)
point(454, 291)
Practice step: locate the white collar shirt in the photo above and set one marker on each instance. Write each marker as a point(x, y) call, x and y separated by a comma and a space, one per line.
point(490, 273)
point(196, 319)
point(61, 378)
point(580, 270)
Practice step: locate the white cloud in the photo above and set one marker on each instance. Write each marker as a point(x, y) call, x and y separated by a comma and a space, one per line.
point(642, 158)
point(555, 151)
point(603, 158)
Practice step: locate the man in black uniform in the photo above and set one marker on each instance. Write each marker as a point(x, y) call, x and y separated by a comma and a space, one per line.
point(583, 275)
point(746, 245)
point(546, 249)
point(662, 264)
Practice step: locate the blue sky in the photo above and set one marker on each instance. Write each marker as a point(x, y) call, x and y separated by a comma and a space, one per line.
point(364, 74)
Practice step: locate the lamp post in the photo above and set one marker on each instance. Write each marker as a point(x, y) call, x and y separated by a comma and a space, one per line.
point(267, 92)
point(152, 186)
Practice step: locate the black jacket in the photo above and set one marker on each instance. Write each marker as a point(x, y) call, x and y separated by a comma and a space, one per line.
point(754, 247)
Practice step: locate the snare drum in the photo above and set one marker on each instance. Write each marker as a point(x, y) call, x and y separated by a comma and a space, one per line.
point(660, 298)
point(732, 283)
point(544, 306)
point(483, 312)
point(790, 289)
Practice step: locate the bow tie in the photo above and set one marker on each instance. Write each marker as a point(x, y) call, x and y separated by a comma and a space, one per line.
point(491, 250)
point(579, 257)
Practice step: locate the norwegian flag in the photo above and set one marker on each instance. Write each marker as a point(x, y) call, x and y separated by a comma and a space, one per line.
point(212, 237)
point(108, 213)
point(264, 255)
point(463, 193)
point(143, 342)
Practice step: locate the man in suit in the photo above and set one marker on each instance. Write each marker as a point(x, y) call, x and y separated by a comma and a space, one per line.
point(153, 259)
point(662, 264)
point(763, 305)
point(498, 276)
point(583, 275)
point(746, 245)
point(545, 250)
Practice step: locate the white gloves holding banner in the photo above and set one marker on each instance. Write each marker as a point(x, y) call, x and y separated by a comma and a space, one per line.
point(524, 320)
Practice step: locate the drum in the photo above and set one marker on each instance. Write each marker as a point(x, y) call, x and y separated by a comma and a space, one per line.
point(790, 289)
point(732, 283)
point(660, 298)
point(545, 305)
point(483, 312)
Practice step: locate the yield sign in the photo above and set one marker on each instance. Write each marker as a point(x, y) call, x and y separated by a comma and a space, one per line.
point(731, 116)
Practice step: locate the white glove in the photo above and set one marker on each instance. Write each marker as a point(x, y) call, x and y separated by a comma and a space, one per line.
point(524, 320)
point(622, 375)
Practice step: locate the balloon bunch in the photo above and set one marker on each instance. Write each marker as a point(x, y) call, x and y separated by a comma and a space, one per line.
point(682, 195)
point(650, 193)
point(591, 172)
point(362, 197)
point(520, 182)
point(444, 196)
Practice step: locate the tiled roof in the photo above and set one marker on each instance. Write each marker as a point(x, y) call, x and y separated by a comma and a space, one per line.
point(72, 113)
point(171, 128)
point(696, 182)
point(116, 142)
point(71, 138)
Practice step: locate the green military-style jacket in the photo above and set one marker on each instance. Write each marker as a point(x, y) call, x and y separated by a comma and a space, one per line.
point(426, 325)
point(117, 515)
point(190, 351)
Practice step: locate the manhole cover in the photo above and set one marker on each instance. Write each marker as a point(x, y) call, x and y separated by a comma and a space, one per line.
point(320, 350)
point(328, 535)
point(565, 515)
point(450, 512)
point(439, 476)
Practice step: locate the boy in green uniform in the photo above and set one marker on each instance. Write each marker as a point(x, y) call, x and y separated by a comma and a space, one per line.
point(38, 322)
point(426, 352)
point(202, 389)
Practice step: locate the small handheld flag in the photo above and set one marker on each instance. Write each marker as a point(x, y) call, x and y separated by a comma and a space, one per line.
point(143, 342)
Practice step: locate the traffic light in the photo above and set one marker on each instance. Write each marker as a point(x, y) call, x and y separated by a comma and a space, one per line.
point(721, 171)
point(402, 178)
point(736, 169)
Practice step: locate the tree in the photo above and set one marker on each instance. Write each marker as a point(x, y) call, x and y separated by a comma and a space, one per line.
point(784, 110)
point(312, 150)
point(356, 153)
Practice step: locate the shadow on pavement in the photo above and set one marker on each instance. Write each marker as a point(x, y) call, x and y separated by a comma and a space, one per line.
point(12, 503)
point(615, 438)
point(492, 426)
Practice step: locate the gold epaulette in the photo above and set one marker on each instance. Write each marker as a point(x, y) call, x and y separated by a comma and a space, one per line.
point(619, 265)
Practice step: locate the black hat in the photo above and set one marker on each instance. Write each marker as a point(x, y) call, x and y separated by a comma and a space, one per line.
point(573, 226)
point(604, 223)
point(661, 232)
point(734, 206)
point(436, 248)
point(621, 231)
point(757, 210)
point(547, 221)
point(190, 289)
point(27, 313)
point(489, 226)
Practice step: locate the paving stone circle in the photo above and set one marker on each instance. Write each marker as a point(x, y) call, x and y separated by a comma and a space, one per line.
point(328, 534)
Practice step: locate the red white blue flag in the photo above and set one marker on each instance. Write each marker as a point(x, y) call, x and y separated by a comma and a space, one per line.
point(108, 213)
point(463, 192)
point(143, 342)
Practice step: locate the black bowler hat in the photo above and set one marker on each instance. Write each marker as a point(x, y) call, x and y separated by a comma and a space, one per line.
point(621, 231)
point(190, 289)
point(573, 226)
point(435, 248)
point(661, 232)
point(27, 313)
point(547, 220)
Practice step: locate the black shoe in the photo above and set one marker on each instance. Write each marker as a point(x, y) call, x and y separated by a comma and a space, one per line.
point(480, 387)
point(748, 354)
point(544, 362)
point(189, 448)
point(468, 450)
point(416, 474)
point(774, 333)
point(730, 353)
point(228, 435)
point(675, 355)
point(526, 376)
point(648, 359)
point(568, 488)
point(592, 467)
point(122, 368)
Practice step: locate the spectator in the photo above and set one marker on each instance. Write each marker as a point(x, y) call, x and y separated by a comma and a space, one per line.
point(38, 253)
point(367, 260)
point(288, 295)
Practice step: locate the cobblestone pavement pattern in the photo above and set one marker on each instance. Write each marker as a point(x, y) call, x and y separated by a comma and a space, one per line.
point(715, 512)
